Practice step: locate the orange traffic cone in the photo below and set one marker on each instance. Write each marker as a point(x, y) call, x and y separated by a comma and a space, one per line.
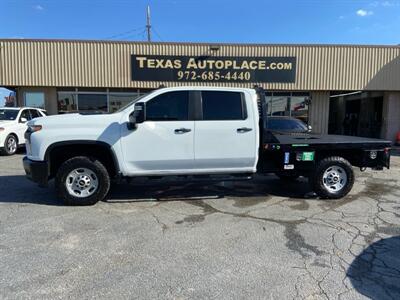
point(398, 138)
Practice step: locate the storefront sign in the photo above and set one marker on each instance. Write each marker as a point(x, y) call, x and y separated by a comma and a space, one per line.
point(213, 69)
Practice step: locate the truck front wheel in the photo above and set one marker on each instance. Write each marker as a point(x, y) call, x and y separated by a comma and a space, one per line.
point(82, 181)
point(333, 178)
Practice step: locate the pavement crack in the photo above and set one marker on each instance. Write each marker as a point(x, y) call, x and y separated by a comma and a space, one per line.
point(294, 240)
point(163, 226)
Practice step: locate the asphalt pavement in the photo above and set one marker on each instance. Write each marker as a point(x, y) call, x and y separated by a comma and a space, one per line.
point(259, 239)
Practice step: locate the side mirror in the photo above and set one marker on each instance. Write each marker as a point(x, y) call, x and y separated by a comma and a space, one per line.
point(23, 120)
point(309, 128)
point(137, 116)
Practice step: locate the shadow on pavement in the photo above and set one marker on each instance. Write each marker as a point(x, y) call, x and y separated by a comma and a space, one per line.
point(375, 273)
point(18, 189)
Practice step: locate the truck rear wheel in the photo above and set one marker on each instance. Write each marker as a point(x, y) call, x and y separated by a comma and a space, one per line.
point(82, 181)
point(333, 178)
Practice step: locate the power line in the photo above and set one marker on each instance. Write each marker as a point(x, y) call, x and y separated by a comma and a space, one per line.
point(139, 34)
point(144, 34)
point(156, 32)
point(144, 31)
point(125, 33)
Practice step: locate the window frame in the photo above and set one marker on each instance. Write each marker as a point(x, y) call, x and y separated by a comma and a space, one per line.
point(200, 106)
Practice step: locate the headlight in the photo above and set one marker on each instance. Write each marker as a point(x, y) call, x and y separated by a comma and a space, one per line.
point(34, 128)
point(373, 154)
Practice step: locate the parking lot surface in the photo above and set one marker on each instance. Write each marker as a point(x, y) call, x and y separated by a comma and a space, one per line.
point(259, 239)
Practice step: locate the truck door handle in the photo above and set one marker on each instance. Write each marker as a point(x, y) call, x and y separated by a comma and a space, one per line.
point(243, 130)
point(182, 130)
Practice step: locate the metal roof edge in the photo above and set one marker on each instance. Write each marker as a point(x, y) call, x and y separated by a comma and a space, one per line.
point(199, 43)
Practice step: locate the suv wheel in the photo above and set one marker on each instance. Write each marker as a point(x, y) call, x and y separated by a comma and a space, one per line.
point(10, 145)
point(82, 181)
point(333, 178)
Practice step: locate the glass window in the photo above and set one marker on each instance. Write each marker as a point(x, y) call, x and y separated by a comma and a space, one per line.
point(8, 114)
point(10, 100)
point(222, 105)
point(116, 101)
point(92, 102)
point(293, 104)
point(299, 107)
point(25, 114)
point(280, 104)
point(172, 106)
point(286, 124)
point(67, 103)
point(34, 99)
point(268, 100)
point(35, 113)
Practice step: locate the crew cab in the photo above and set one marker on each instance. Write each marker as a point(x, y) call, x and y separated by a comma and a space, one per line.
point(190, 133)
point(13, 126)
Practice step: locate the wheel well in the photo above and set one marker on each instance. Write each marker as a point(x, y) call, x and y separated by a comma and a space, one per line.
point(61, 153)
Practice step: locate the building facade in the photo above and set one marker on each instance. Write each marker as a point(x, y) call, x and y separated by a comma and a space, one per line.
point(341, 89)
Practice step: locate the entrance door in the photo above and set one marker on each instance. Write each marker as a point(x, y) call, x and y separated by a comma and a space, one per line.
point(164, 142)
point(226, 136)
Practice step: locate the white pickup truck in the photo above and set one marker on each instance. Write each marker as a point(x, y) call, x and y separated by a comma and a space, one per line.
point(193, 133)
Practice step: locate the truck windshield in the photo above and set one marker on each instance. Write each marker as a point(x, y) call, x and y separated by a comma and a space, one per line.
point(8, 114)
point(286, 124)
point(132, 102)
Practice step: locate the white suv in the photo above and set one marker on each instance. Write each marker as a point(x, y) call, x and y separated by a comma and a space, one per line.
point(13, 126)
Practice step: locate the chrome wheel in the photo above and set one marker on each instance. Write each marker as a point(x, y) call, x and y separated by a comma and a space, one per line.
point(334, 179)
point(11, 145)
point(81, 183)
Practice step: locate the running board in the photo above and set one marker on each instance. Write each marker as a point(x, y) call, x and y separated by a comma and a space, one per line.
point(189, 178)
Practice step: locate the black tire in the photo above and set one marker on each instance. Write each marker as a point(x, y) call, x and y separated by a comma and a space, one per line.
point(80, 163)
point(6, 149)
point(317, 181)
point(287, 176)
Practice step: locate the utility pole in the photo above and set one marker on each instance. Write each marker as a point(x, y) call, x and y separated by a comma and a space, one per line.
point(148, 25)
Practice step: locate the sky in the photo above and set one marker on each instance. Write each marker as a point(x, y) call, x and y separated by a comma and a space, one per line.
point(249, 21)
point(219, 21)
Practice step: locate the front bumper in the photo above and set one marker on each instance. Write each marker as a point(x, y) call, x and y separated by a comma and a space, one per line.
point(37, 171)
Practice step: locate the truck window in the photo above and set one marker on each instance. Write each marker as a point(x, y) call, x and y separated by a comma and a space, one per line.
point(219, 105)
point(172, 106)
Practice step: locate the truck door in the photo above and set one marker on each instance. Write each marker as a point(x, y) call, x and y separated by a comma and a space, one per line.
point(226, 137)
point(163, 143)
